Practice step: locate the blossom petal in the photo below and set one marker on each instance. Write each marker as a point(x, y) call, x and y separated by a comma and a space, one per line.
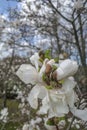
point(82, 114)
point(58, 103)
point(71, 98)
point(38, 91)
point(35, 60)
point(45, 107)
point(27, 74)
point(68, 86)
point(54, 104)
point(42, 70)
point(66, 68)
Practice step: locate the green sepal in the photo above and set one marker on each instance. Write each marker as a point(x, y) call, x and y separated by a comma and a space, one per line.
point(49, 87)
point(53, 121)
point(56, 59)
point(54, 67)
point(53, 84)
point(41, 60)
point(61, 81)
point(61, 118)
point(50, 122)
point(44, 77)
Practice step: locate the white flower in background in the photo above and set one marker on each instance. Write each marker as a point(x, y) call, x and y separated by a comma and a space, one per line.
point(78, 4)
point(35, 121)
point(30, 1)
point(76, 123)
point(77, 126)
point(33, 124)
point(4, 114)
point(56, 101)
point(25, 127)
point(61, 124)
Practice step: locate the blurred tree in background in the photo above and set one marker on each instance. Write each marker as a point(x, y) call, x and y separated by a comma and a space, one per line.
point(56, 25)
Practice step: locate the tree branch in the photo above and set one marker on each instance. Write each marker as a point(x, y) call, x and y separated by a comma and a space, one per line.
point(59, 12)
point(79, 13)
point(65, 28)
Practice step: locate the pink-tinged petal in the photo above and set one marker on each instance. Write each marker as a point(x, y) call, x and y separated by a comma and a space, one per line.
point(28, 74)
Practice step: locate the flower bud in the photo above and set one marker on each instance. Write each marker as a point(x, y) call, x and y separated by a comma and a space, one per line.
point(49, 66)
point(48, 69)
point(54, 75)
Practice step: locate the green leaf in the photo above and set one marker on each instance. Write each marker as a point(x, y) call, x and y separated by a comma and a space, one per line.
point(48, 54)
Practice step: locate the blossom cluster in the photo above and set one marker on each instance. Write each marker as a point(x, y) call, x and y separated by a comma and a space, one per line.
point(4, 115)
point(33, 124)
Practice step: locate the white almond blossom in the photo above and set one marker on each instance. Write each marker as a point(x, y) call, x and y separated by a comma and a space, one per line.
point(77, 126)
point(25, 127)
point(4, 114)
point(33, 124)
point(57, 98)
